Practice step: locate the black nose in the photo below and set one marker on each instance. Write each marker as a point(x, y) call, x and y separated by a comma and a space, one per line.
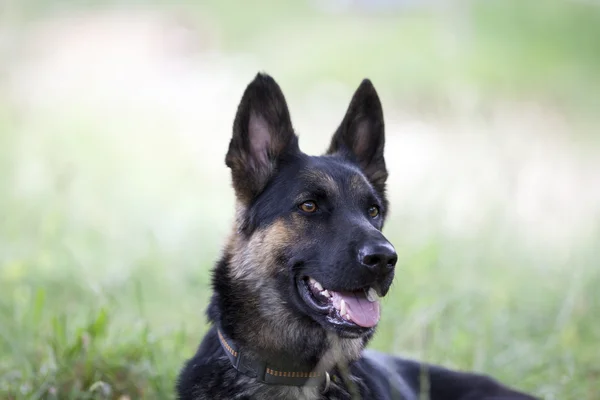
point(379, 256)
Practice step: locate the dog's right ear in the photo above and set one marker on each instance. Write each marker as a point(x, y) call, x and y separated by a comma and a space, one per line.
point(262, 136)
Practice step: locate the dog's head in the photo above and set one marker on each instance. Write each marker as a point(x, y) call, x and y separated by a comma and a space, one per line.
point(309, 228)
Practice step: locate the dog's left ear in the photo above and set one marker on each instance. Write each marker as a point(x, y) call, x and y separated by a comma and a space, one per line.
point(361, 135)
point(262, 137)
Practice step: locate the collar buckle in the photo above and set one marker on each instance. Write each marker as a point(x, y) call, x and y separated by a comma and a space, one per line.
point(327, 383)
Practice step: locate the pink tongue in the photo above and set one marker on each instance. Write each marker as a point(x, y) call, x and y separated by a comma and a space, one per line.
point(361, 311)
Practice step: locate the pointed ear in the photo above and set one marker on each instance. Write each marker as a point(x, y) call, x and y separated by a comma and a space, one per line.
point(262, 136)
point(361, 135)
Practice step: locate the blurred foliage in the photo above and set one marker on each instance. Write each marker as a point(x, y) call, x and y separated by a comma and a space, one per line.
point(538, 49)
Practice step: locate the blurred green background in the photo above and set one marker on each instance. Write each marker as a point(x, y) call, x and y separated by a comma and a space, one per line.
point(115, 200)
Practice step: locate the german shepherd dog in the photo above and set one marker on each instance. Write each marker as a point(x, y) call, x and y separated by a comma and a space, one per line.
point(296, 291)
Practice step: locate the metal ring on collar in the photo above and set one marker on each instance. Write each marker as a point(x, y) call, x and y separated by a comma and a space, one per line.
point(327, 383)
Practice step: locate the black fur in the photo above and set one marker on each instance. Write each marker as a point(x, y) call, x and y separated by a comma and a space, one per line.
point(261, 296)
point(360, 137)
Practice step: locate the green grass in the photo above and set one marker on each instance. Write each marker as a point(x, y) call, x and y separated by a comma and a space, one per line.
point(105, 252)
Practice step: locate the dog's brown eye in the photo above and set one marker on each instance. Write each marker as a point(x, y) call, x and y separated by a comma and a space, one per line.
point(373, 211)
point(308, 206)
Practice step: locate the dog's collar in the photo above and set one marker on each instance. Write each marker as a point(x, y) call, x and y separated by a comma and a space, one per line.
point(266, 374)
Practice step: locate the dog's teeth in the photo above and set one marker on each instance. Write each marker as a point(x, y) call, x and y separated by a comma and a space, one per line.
point(372, 295)
point(326, 293)
point(347, 317)
point(318, 286)
point(343, 307)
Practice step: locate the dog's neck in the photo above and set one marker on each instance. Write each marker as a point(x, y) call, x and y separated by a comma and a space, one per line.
point(254, 315)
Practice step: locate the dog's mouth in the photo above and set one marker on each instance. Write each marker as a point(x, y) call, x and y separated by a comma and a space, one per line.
point(353, 309)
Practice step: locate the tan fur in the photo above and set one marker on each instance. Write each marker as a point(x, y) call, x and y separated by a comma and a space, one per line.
point(358, 181)
point(323, 179)
point(254, 260)
point(341, 351)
